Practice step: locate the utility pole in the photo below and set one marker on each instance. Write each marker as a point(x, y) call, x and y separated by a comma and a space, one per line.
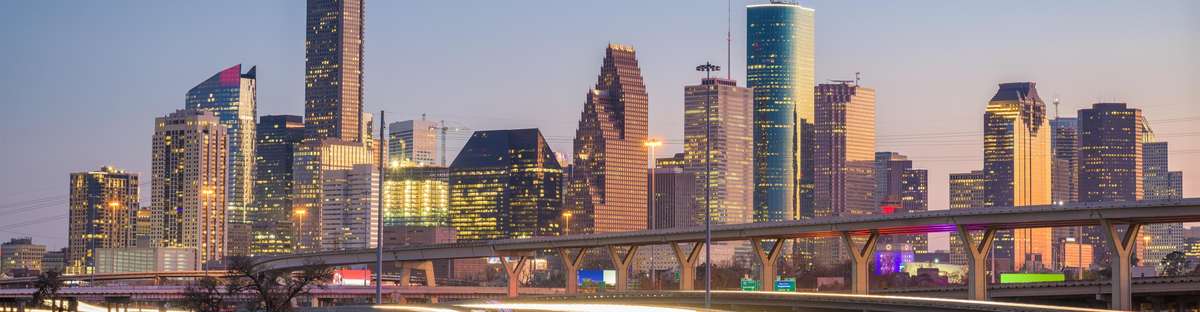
point(379, 213)
point(708, 68)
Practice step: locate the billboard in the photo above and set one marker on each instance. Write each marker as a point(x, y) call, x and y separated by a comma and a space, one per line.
point(1008, 278)
point(352, 277)
point(608, 277)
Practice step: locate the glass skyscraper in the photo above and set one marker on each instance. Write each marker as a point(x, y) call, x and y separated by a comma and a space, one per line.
point(779, 67)
point(230, 95)
point(506, 184)
point(1016, 161)
point(278, 138)
point(333, 72)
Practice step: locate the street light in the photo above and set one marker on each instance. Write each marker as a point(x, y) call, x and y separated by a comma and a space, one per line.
point(566, 223)
point(708, 68)
point(651, 144)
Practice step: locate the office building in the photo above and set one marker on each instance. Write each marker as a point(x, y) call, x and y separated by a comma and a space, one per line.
point(1110, 153)
point(414, 143)
point(20, 256)
point(675, 193)
point(333, 71)
point(1159, 183)
point(506, 184)
point(1016, 162)
point(966, 192)
point(189, 162)
point(417, 196)
point(230, 95)
point(608, 183)
point(278, 138)
point(899, 188)
point(730, 122)
point(312, 160)
point(779, 68)
point(103, 207)
point(350, 208)
point(1065, 145)
point(55, 260)
point(145, 259)
point(844, 153)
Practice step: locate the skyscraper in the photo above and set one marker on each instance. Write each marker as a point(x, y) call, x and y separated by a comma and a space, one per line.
point(1065, 145)
point(779, 67)
point(901, 189)
point(187, 199)
point(350, 208)
point(278, 138)
point(230, 95)
point(1110, 153)
point(608, 183)
point(313, 158)
point(966, 192)
point(844, 151)
point(102, 211)
point(413, 143)
point(731, 121)
point(506, 184)
point(333, 69)
point(675, 193)
point(1016, 161)
point(417, 196)
point(1159, 184)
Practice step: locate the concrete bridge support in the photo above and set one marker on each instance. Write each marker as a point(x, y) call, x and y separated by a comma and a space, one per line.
point(977, 252)
point(687, 264)
point(571, 266)
point(406, 268)
point(622, 264)
point(1122, 247)
point(769, 258)
point(860, 260)
point(514, 269)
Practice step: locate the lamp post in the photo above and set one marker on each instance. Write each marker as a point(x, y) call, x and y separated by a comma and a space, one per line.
point(566, 223)
point(708, 68)
point(651, 144)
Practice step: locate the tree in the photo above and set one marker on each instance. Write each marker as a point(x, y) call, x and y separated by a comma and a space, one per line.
point(273, 290)
point(205, 295)
point(1175, 264)
point(47, 286)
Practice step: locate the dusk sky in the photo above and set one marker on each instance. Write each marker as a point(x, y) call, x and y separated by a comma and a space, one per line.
point(82, 81)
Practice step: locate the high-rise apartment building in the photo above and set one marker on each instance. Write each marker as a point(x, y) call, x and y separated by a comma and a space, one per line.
point(350, 208)
point(608, 184)
point(21, 257)
point(414, 143)
point(417, 196)
point(278, 138)
point(1016, 161)
point(1110, 153)
point(1065, 173)
point(313, 158)
point(966, 192)
point(899, 188)
point(779, 68)
point(507, 184)
point(730, 122)
point(230, 94)
point(333, 71)
point(103, 207)
point(189, 162)
point(844, 151)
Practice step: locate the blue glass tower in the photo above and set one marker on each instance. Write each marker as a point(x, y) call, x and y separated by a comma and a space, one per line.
point(779, 67)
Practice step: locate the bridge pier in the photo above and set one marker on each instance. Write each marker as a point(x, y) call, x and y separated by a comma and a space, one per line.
point(406, 268)
point(977, 252)
point(860, 260)
point(687, 264)
point(1122, 248)
point(571, 266)
point(621, 264)
point(768, 259)
point(514, 270)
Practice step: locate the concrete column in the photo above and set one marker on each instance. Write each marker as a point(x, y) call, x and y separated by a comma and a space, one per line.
point(571, 266)
point(514, 269)
point(426, 266)
point(687, 264)
point(621, 264)
point(977, 252)
point(860, 260)
point(1122, 247)
point(768, 259)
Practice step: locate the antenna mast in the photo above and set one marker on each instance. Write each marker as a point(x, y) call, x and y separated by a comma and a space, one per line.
point(729, 40)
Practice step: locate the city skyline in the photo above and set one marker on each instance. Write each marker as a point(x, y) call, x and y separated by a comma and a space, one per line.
point(664, 108)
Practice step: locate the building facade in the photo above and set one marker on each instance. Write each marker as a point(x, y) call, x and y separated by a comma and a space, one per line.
point(414, 143)
point(1110, 153)
point(608, 183)
point(20, 256)
point(1016, 161)
point(312, 160)
point(230, 95)
point(279, 136)
point(1065, 173)
point(1160, 184)
point(966, 192)
point(844, 151)
point(103, 207)
point(899, 188)
point(189, 162)
point(675, 193)
point(145, 259)
point(730, 119)
point(506, 184)
point(333, 71)
point(780, 63)
point(417, 196)
point(55, 260)
point(350, 208)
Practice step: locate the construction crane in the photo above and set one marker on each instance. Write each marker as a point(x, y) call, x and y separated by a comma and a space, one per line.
point(442, 130)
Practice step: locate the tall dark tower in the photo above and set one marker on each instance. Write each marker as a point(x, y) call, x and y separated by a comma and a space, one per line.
point(608, 184)
point(333, 69)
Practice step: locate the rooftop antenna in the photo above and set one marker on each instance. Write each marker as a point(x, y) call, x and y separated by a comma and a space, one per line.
point(1056, 107)
point(729, 40)
point(857, 77)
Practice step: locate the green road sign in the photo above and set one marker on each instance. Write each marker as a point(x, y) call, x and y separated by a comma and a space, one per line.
point(787, 284)
point(749, 284)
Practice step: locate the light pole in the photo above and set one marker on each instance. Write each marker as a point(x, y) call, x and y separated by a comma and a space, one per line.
point(708, 68)
point(566, 223)
point(651, 144)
